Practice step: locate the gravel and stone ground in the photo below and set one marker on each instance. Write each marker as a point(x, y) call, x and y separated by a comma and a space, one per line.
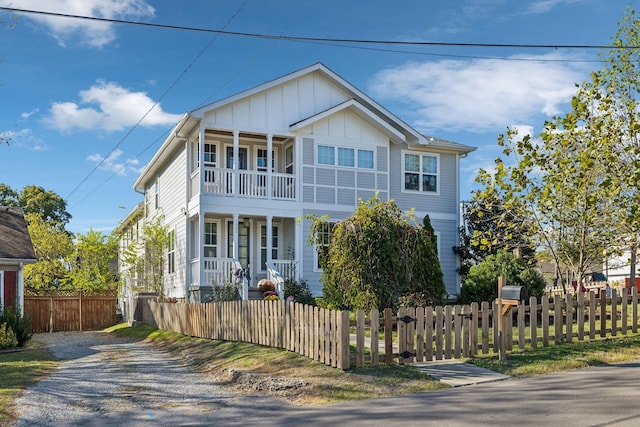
point(107, 380)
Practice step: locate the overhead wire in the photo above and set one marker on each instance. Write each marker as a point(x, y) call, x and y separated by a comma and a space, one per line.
point(169, 88)
point(318, 39)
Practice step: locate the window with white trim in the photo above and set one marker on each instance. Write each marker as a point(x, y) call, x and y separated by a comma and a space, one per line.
point(263, 245)
point(365, 159)
point(345, 157)
point(171, 252)
point(322, 247)
point(326, 155)
point(420, 172)
point(210, 239)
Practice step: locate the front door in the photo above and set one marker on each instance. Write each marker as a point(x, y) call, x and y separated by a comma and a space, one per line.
point(244, 250)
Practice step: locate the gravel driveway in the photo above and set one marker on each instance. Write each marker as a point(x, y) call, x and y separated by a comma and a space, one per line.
point(106, 380)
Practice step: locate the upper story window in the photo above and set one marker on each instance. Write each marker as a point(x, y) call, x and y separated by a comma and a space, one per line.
point(288, 154)
point(326, 155)
point(346, 157)
point(210, 155)
point(365, 159)
point(420, 171)
point(261, 160)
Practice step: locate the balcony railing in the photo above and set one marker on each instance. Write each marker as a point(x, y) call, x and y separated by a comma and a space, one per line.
point(246, 183)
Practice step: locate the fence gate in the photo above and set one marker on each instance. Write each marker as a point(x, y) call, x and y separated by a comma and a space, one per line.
point(427, 334)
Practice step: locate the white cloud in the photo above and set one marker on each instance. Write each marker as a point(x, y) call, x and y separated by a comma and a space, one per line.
point(108, 106)
point(478, 95)
point(544, 6)
point(28, 114)
point(113, 163)
point(92, 33)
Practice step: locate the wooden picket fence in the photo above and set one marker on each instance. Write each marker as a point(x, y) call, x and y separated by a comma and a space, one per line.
point(69, 310)
point(345, 340)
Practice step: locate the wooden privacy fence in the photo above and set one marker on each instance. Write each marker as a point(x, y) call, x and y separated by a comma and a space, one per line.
point(344, 340)
point(55, 311)
point(320, 334)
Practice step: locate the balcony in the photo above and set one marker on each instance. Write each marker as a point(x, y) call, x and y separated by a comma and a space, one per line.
point(245, 183)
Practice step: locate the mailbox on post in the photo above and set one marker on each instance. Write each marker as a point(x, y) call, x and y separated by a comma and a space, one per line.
point(515, 293)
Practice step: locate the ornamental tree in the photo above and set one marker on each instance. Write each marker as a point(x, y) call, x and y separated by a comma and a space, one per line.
point(375, 257)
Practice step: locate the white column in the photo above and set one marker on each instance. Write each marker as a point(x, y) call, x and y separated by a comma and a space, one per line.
point(236, 153)
point(200, 249)
point(201, 159)
point(236, 236)
point(269, 163)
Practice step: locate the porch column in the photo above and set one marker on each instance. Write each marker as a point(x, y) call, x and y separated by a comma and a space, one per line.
point(236, 177)
point(200, 249)
point(201, 138)
point(269, 238)
point(298, 247)
point(269, 171)
point(236, 237)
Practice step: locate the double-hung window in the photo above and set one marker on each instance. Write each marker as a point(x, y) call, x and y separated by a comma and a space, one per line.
point(420, 172)
point(322, 246)
point(263, 245)
point(171, 252)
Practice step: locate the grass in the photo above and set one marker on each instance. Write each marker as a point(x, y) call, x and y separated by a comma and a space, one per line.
point(225, 360)
point(561, 357)
point(19, 370)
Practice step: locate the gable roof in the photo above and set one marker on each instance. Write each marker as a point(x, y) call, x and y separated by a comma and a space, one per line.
point(15, 242)
point(359, 103)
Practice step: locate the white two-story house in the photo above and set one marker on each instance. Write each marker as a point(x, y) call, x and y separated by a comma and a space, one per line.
point(235, 178)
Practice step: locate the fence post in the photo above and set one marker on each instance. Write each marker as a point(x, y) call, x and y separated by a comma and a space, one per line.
point(344, 356)
point(502, 345)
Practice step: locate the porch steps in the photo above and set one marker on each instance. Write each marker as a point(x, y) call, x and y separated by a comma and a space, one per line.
point(254, 294)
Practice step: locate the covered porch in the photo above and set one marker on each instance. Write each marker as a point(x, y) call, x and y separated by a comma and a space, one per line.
point(242, 249)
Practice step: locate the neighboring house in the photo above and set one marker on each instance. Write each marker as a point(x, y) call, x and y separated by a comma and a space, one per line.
point(16, 250)
point(235, 178)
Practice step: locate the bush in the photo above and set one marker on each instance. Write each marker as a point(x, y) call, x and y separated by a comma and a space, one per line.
point(299, 290)
point(481, 283)
point(20, 325)
point(7, 337)
point(225, 292)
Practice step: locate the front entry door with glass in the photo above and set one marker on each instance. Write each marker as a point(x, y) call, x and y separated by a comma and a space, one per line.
point(244, 250)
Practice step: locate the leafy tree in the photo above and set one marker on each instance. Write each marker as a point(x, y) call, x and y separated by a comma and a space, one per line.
point(489, 226)
point(481, 284)
point(90, 268)
point(50, 206)
point(8, 197)
point(375, 256)
point(560, 182)
point(616, 88)
point(144, 257)
point(52, 247)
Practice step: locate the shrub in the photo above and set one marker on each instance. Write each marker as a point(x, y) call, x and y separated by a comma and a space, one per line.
point(481, 283)
point(225, 292)
point(272, 298)
point(20, 325)
point(7, 337)
point(299, 290)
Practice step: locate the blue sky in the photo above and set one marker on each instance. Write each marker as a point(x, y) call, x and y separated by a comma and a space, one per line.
point(74, 92)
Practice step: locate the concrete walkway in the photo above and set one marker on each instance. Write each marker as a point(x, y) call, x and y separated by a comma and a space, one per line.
point(458, 373)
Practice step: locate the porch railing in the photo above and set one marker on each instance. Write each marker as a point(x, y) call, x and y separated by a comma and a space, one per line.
point(246, 183)
point(219, 271)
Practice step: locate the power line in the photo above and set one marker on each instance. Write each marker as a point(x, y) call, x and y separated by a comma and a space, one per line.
point(318, 39)
point(171, 86)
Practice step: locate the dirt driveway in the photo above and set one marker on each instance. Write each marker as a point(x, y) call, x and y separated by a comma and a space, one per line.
point(105, 380)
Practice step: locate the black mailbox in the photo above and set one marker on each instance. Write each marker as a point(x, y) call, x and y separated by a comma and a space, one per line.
point(518, 293)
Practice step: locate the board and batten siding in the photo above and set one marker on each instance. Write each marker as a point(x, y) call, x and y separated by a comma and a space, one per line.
point(276, 108)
